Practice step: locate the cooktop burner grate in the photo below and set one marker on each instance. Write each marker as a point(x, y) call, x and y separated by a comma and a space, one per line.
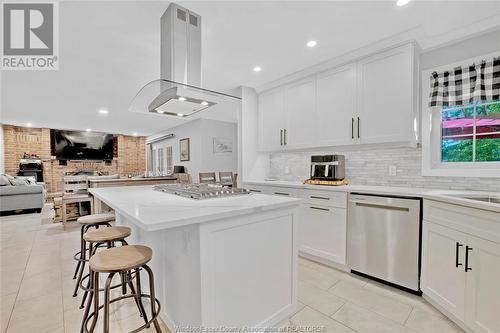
point(200, 191)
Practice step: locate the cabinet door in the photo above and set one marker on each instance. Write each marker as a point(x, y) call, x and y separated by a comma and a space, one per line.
point(300, 114)
point(442, 280)
point(271, 121)
point(483, 286)
point(336, 106)
point(386, 96)
point(323, 232)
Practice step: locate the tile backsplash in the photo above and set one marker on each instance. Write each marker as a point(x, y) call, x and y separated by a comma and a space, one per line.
point(371, 167)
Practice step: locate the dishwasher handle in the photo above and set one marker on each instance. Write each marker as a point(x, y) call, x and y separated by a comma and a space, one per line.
point(384, 202)
point(382, 206)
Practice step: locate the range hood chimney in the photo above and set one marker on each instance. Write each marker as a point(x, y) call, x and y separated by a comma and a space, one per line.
point(178, 92)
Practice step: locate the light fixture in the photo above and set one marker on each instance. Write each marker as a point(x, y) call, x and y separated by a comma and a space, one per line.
point(88, 129)
point(103, 111)
point(312, 43)
point(160, 111)
point(182, 99)
point(257, 69)
point(180, 115)
point(134, 133)
point(29, 124)
point(402, 2)
point(204, 103)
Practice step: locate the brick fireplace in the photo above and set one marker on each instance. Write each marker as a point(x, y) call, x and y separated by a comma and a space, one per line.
point(130, 156)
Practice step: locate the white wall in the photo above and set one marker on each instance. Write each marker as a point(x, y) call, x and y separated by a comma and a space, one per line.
point(201, 133)
point(2, 151)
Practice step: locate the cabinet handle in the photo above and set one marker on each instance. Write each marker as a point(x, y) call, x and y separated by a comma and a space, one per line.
point(352, 128)
point(467, 258)
point(284, 135)
point(457, 250)
point(358, 129)
point(281, 193)
point(281, 137)
point(255, 191)
point(315, 197)
point(317, 208)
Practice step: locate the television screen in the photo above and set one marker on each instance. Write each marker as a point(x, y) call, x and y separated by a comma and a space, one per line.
point(77, 145)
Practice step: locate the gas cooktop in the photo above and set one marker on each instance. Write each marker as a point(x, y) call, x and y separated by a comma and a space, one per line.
point(200, 191)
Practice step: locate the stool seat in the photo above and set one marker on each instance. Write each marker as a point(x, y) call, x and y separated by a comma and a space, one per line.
point(96, 218)
point(121, 258)
point(109, 234)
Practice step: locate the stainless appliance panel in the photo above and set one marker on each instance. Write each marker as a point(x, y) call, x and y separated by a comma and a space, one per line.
point(384, 238)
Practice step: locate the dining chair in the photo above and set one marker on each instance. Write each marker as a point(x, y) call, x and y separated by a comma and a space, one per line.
point(207, 177)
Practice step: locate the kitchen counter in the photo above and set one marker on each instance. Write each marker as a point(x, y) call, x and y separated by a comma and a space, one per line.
point(448, 196)
point(229, 261)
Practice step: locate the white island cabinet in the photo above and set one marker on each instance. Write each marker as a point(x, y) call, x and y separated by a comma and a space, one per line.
point(217, 262)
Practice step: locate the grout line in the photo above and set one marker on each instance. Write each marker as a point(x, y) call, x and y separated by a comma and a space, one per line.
point(412, 309)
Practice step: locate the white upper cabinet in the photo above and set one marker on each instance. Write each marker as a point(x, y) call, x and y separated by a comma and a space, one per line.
point(336, 106)
point(370, 101)
point(271, 119)
point(386, 96)
point(300, 114)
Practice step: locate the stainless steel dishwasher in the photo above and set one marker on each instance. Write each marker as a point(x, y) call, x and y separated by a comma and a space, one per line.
point(383, 239)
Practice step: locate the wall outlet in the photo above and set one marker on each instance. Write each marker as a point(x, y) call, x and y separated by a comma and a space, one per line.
point(392, 170)
point(287, 170)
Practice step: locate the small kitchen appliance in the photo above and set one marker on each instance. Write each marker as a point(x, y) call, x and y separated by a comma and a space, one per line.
point(327, 167)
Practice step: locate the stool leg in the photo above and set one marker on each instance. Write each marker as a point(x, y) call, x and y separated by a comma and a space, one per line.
point(81, 245)
point(137, 293)
point(153, 297)
point(106, 303)
point(96, 301)
point(89, 301)
point(82, 267)
point(89, 283)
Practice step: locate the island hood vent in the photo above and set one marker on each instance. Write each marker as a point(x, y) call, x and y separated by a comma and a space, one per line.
point(178, 92)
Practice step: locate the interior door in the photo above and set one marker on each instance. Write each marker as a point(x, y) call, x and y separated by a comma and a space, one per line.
point(323, 232)
point(443, 276)
point(336, 106)
point(271, 122)
point(385, 101)
point(300, 114)
point(483, 286)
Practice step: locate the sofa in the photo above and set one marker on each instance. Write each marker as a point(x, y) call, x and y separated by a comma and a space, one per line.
point(20, 193)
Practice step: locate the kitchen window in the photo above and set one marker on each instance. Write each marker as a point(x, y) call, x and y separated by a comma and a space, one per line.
point(459, 140)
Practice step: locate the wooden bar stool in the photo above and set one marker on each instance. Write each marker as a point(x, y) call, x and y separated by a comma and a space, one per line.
point(87, 222)
point(99, 238)
point(122, 260)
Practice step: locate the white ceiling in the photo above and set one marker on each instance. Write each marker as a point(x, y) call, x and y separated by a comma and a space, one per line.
point(109, 50)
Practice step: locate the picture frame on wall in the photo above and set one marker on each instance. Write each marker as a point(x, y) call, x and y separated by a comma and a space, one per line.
point(184, 150)
point(222, 145)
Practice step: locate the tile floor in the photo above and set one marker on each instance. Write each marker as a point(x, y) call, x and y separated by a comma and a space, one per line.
point(36, 287)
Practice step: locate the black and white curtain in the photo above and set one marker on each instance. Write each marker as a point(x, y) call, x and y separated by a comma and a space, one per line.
point(464, 85)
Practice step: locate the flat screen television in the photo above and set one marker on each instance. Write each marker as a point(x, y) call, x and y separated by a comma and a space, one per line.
point(81, 145)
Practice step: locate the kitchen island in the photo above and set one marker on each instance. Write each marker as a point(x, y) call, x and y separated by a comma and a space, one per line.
point(228, 261)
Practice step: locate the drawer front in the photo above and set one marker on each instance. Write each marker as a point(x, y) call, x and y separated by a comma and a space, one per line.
point(258, 189)
point(326, 198)
point(285, 191)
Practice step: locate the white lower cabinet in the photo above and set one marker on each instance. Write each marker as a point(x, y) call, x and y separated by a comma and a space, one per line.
point(461, 271)
point(323, 232)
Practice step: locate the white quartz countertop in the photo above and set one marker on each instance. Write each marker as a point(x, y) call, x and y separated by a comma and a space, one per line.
point(152, 210)
point(448, 196)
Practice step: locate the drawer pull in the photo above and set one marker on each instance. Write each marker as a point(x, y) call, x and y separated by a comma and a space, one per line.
point(322, 198)
point(281, 193)
point(255, 191)
point(457, 250)
point(318, 208)
point(467, 268)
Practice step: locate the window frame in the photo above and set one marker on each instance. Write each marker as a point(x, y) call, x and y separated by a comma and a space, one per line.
point(431, 135)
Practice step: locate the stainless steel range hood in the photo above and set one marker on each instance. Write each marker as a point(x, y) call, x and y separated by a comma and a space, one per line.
point(178, 92)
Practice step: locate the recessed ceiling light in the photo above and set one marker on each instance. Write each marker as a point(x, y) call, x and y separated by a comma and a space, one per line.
point(29, 124)
point(312, 43)
point(160, 111)
point(182, 99)
point(257, 69)
point(103, 111)
point(402, 2)
point(180, 114)
point(88, 129)
point(204, 103)
point(134, 134)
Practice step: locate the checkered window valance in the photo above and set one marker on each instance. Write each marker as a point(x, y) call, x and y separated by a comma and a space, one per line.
point(464, 85)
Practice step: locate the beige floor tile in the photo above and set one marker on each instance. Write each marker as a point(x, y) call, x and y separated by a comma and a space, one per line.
point(316, 278)
point(365, 321)
point(383, 305)
point(423, 322)
point(73, 320)
point(311, 317)
point(39, 263)
point(44, 283)
point(10, 281)
point(7, 304)
point(41, 314)
point(319, 299)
